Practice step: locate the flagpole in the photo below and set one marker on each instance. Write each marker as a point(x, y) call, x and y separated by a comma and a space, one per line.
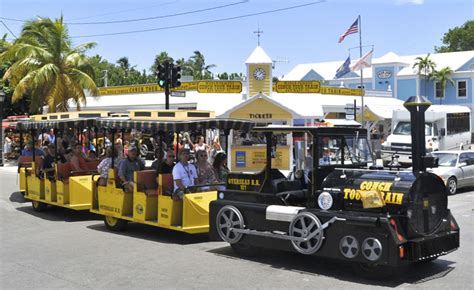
point(361, 76)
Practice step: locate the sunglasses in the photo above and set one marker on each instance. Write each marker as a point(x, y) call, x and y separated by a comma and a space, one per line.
point(170, 156)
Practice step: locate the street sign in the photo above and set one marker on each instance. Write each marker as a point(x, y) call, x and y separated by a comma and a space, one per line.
point(222, 87)
point(179, 94)
point(298, 87)
point(340, 91)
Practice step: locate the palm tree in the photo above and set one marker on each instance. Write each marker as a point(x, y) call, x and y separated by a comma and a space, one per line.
point(199, 67)
point(426, 66)
point(159, 59)
point(47, 66)
point(186, 67)
point(443, 76)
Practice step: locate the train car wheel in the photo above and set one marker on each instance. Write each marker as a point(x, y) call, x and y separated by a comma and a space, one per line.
point(38, 206)
point(452, 185)
point(115, 224)
point(245, 249)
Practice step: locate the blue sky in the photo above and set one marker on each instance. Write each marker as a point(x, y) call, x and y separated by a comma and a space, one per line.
point(301, 35)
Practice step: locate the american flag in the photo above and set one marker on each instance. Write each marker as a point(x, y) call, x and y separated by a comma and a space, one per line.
point(353, 29)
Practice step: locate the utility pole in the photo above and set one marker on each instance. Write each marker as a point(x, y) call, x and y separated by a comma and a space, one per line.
point(106, 77)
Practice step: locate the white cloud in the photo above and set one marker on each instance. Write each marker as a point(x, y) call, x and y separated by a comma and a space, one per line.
point(414, 2)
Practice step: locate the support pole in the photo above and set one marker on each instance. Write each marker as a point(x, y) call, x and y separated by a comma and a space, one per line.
point(113, 148)
point(55, 145)
point(361, 76)
point(268, 167)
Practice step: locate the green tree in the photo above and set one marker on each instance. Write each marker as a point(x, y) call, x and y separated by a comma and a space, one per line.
point(223, 76)
point(159, 59)
point(424, 66)
point(19, 108)
point(199, 68)
point(443, 77)
point(458, 38)
point(186, 68)
point(235, 76)
point(47, 65)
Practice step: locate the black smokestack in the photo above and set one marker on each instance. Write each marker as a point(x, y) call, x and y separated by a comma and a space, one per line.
point(417, 105)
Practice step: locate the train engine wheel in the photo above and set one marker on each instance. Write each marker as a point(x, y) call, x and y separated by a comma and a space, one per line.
point(228, 218)
point(306, 225)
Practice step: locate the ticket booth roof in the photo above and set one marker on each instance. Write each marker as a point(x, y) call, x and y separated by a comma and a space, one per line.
point(303, 108)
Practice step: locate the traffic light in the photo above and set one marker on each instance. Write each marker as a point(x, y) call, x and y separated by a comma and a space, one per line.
point(175, 76)
point(163, 74)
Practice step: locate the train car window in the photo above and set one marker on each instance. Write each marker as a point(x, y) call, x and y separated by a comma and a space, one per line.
point(89, 115)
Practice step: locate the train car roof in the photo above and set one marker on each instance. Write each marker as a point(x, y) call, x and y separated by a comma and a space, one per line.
point(154, 125)
point(157, 125)
point(57, 124)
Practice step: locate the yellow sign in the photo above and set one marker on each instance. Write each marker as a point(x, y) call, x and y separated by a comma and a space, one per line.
point(254, 158)
point(374, 194)
point(148, 88)
point(223, 87)
point(298, 87)
point(341, 91)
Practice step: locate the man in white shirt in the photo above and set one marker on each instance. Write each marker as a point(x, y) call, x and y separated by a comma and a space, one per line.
point(184, 173)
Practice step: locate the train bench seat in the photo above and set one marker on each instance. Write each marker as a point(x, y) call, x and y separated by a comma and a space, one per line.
point(65, 170)
point(166, 184)
point(146, 182)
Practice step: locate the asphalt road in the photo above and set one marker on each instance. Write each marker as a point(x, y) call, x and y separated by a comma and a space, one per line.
point(66, 249)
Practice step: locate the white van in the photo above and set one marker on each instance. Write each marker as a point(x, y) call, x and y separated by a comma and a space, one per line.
point(446, 127)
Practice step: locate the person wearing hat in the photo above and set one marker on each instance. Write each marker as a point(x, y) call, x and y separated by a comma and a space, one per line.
point(184, 173)
point(128, 166)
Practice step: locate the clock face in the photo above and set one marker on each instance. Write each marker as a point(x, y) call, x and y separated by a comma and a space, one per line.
point(259, 74)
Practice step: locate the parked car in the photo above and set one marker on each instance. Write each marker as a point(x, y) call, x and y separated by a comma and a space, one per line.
point(456, 168)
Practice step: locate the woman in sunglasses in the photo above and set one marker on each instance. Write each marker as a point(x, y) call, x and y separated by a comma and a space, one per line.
point(205, 172)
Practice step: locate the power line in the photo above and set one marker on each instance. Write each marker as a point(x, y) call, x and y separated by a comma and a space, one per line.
point(8, 29)
point(203, 22)
point(124, 11)
point(146, 18)
point(160, 16)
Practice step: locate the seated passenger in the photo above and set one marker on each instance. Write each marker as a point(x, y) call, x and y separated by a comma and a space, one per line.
point(184, 174)
point(205, 172)
point(78, 161)
point(105, 165)
point(48, 160)
point(92, 155)
point(156, 164)
point(220, 167)
point(167, 165)
point(325, 159)
point(28, 151)
point(128, 166)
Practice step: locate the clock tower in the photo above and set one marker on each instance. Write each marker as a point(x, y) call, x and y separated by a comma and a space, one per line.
point(259, 73)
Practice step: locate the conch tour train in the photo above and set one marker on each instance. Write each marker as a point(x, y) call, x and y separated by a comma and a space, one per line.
point(334, 203)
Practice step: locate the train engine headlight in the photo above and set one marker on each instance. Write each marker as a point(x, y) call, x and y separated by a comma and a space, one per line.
point(325, 200)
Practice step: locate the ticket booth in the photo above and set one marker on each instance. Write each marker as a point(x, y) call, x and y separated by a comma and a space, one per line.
point(247, 149)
